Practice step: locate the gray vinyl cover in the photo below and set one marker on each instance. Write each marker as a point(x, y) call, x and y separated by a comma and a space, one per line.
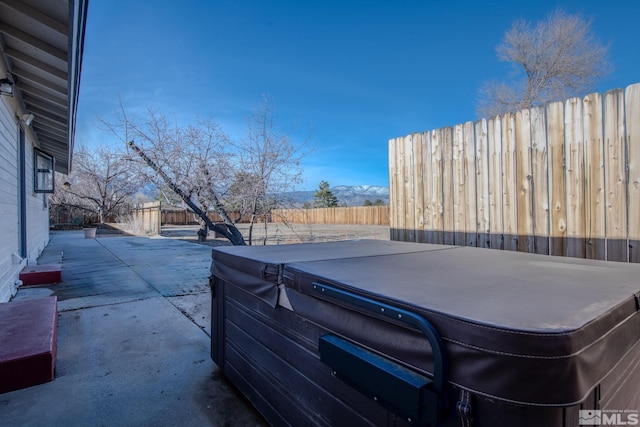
point(258, 269)
point(523, 328)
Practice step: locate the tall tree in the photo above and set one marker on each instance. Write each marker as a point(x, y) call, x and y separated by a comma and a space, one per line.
point(269, 165)
point(324, 197)
point(554, 59)
point(207, 170)
point(101, 184)
point(193, 161)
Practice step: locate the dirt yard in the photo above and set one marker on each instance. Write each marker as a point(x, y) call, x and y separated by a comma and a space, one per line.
point(278, 233)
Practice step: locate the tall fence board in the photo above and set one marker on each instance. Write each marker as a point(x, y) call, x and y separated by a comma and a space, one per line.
point(458, 181)
point(410, 186)
point(632, 122)
point(436, 202)
point(594, 167)
point(616, 177)
point(574, 162)
point(496, 221)
point(563, 179)
point(418, 192)
point(509, 181)
point(482, 183)
point(524, 178)
point(539, 203)
point(393, 183)
point(469, 186)
point(557, 195)
point(446, 145)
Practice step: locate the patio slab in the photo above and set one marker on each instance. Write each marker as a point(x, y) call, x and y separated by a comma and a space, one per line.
point(133, 342)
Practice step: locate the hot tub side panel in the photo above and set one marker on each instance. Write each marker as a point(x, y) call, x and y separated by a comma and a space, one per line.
point(271, 355)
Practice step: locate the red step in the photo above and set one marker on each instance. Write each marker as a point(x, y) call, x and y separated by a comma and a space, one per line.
point(28, 331)
point(41, 274)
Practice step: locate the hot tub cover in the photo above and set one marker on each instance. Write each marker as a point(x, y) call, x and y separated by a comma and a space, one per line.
point(523, 328)
point(259, 268)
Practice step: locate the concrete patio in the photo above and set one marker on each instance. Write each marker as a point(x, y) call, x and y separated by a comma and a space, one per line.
point(133, 339)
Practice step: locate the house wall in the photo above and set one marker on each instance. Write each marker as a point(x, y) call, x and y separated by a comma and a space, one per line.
point(37, 211)
point(11, 261)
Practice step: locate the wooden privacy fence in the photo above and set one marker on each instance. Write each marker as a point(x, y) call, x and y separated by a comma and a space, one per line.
point(355, 215)
point(146, 218)
point(150, 217)
point(176, 216)
point(561, 180)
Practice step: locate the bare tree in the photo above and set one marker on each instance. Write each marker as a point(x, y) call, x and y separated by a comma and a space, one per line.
point(557, 58)
point(269, 165)
point(200, 164)
point(193, 161)
point(101, 184)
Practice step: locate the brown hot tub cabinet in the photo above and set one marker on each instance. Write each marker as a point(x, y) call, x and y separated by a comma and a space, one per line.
point(388, 333)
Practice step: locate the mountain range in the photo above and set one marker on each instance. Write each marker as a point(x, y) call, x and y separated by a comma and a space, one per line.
point(348, 195)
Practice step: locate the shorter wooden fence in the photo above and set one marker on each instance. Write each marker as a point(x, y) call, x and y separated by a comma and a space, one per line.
point(150, 217)
point(354, 215)
point(146, 218)
point(176, 216)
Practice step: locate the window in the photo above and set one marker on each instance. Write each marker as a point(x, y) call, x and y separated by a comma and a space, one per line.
point(43, 181)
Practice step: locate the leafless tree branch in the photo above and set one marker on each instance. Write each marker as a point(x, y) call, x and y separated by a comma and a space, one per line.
point(557, 58)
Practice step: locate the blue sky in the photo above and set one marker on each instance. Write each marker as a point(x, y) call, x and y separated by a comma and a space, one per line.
point(346, 75)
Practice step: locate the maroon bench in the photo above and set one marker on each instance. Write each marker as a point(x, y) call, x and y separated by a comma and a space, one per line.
point(41, 274)
point(28, 331)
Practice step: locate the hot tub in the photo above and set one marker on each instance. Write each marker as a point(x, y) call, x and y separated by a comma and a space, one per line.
point(388, 333)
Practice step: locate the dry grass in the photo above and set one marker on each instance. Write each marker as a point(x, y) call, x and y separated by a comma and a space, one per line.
point(278, 233)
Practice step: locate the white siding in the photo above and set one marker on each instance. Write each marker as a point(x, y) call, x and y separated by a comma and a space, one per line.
point(37, 223)
point(10, 263)
point(37, 212)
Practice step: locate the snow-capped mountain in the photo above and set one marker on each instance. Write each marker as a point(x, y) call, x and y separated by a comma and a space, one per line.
point(348, 191)
point(348, 195)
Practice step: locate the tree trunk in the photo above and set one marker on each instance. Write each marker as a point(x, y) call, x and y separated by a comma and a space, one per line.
point(253, 220)
point(264, 241)
point(203, 231)
point(251, 229)
point(230, 232)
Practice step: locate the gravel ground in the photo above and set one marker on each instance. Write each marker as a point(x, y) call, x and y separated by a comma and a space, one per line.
point(278, 233)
